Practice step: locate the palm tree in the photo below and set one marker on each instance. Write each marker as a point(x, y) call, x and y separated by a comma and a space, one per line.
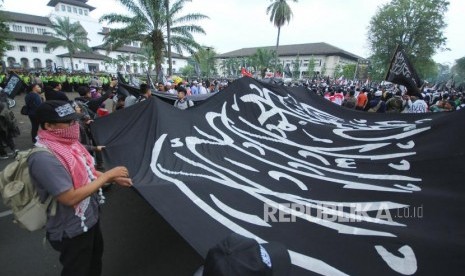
point(205, 58)
point(262, 59)
point(149, 22)
point(280, 14)
point(179, 31)
point(71, 36)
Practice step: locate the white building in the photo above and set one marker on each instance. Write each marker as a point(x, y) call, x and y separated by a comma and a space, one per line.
point(326, 57)
point(31, 33)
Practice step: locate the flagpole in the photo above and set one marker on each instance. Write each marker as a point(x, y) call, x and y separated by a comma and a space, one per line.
point(356, 69)
point(390, 63)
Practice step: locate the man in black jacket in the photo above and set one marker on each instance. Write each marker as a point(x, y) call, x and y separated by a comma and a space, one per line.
point(92, 104)
point(55, 93)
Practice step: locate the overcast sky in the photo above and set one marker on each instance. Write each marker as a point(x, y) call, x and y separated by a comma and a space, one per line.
point(236, 24)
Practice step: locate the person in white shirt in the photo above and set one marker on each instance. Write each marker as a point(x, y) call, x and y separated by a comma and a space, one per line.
point(415, 104)
point(202, 89)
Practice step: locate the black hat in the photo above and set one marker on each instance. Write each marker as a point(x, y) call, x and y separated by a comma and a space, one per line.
point(238, 255)
point(56, 112)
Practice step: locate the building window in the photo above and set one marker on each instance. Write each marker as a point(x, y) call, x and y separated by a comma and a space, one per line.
point(86, 12)
point(80, 11)
point(22, 48)
point(11, 61)
point(29, 30)
point(25, 63)
point(41, 30)
point(47, 50)
point(63, 8)
point(68, 8)
point(48, 63)
point(37, 63)
point(17, 28)
point(35, 49)
point(74, 9)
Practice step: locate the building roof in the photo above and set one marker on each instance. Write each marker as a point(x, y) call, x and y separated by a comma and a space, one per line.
point(133, 50)
point(104, 31)
point(30, 37)
point(78, 3)
point(86, 55)
point(320, 48)
point(124, 49)
point(26, 18)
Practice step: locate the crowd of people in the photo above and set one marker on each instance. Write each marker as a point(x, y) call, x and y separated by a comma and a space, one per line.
point(390, 98)
point(72, 170)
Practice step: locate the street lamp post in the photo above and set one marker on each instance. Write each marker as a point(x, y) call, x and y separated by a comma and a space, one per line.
point(208, 61)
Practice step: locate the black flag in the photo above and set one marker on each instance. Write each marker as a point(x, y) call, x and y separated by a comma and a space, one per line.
point(347, 192)
point(13, 86)
point(402, 72)
point(287, 71)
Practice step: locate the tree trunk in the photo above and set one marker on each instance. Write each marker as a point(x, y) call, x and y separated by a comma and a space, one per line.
point(277, 45)
point(72, 62)
point(168, 31)
point(157, 47)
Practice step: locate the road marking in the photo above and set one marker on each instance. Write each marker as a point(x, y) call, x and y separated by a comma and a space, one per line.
point(6, 213)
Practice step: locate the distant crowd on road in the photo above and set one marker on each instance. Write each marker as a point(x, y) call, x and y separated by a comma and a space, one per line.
point(388, 97)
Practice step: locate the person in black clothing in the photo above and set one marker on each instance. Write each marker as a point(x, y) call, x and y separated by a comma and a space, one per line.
point(92, 104)
point(145, 92)
point(33, 99)
point(55, 93)
point(8, 128)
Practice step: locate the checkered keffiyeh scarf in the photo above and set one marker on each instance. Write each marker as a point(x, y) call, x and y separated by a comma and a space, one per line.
point(65, 145)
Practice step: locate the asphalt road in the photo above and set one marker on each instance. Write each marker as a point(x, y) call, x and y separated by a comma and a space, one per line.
point(138, 241)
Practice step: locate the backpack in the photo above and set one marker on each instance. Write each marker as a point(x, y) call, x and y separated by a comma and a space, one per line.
point(21, 195)
point(375, 108)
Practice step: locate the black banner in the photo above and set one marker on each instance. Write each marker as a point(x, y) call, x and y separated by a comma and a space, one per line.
point(13, 85)
point(348, 192)
point(402, 72)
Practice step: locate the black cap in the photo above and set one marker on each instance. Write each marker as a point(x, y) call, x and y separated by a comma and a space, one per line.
point(238, 255)
point(56, 112)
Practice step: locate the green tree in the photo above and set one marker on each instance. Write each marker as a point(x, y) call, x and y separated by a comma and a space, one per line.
point(296, 67)
point(459, 68)
point(4, 34)
point(323, 70)
point(149, 22)
point(70, 36)
point(337, 71)
point(263, 59)
point(145, 57)
point(224, 66)
point(417, 25)
point(311, 67)
point(188, 71)
point(234, 66)
point(280, 14)
point(348, 71)
point(205, 57)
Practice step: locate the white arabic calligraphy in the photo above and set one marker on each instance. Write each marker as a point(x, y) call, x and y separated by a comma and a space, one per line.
point(317, 159)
